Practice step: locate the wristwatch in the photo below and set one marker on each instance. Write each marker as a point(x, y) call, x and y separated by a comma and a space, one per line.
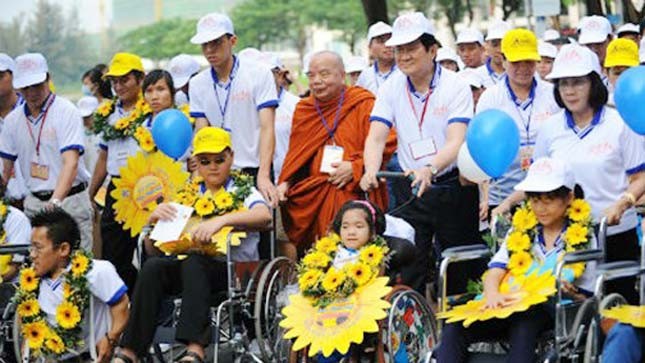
point(433, 170)
point(56, 202)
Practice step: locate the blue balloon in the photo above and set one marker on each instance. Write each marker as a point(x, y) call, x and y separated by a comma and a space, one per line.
point(172, 132)
point(493, 141)
point(630, 97)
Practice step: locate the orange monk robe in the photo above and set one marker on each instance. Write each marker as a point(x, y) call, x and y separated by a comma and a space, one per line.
point(312, 201)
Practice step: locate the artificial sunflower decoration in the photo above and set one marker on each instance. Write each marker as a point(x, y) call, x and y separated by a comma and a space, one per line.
point(44, 339)
point(124, 127)
point(338, 325)
point(146, 181)
point(627, 314)
point(5, 260)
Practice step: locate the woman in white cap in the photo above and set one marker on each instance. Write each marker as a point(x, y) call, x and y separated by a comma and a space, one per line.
point(551, 190)
point(547, 53)
point(606, 156)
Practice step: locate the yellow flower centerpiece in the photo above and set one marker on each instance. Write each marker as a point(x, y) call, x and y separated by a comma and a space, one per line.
point(44, 339)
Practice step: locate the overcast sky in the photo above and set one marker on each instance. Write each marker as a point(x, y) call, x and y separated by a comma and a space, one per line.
point(88, 11)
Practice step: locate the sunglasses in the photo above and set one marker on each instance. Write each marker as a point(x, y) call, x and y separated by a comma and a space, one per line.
point(218, 160)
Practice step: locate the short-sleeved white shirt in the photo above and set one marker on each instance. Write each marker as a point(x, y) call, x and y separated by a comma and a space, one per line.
point(283, 121)
point(18, 229)
point(488, 76)
point(62, 130)
point(118, 150)
point(451, 101)
point(16, 188)
point(106, 287)
point(540, 254)
point(235, 106)
point(372, 80)
point(529, 116)
point(601, 156)
point(344, 256)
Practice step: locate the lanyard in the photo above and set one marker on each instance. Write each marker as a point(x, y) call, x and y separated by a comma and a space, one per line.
point(331, 131)
point(433, 84)
point(43, 116)
point(491, 73)
point(377, 75)
point(227, 87)
point(519, 107)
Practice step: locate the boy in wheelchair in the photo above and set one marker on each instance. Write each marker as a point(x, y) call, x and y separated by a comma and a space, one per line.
point(198, 276)
point(549, 187)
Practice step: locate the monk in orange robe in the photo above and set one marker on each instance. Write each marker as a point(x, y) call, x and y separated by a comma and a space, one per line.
point(333, 115)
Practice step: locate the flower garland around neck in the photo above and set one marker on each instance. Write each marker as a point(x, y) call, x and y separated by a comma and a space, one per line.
point(43, 338)
point(576, 237)
point(125, 126)
point(144, 137)
point(322, 283)
point(211, 204)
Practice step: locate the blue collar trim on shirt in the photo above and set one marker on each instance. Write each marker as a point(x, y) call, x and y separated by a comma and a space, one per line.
point(433, 83)
point(558, 242)
point(597, 117)
point(227, 185)
point(230, 76)
point(519, 103)
point(43, 107)
point(386, 75)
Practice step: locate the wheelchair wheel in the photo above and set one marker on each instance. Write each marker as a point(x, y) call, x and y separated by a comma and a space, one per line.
point(409, 333)
point(270, 298)
point(592, 351)
point(18, 341)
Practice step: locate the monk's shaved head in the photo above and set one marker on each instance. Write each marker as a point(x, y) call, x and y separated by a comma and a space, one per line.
point(326, 75)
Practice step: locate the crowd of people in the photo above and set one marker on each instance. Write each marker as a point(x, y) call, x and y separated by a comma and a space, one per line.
point(406, 110)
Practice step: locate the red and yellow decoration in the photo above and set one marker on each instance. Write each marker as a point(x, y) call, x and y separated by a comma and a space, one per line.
point(627, 314)
point(125, 126)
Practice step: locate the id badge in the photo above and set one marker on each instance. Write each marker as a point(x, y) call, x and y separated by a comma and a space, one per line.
point(331, 154)
point(122, 156)
point(39, 171)
point(526, 155)
point(423, 148)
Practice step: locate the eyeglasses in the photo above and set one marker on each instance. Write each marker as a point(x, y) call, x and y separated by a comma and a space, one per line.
point(36, 250)
point(218, 160)
point(573, 82)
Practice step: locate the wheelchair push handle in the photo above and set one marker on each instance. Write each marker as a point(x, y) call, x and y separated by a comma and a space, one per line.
point(393, 175)
point(19, 249)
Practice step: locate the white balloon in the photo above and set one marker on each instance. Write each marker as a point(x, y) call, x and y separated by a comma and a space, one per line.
point(468, 167)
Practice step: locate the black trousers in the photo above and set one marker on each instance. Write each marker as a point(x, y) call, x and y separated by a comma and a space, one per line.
point(521, 330)
point(118, 245)
point(620, 247)
point(447, 214)
point(195, 279)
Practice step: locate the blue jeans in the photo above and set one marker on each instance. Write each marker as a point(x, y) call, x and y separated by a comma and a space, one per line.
point(624, 344)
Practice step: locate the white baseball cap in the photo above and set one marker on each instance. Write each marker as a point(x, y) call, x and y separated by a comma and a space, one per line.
point(181, 68)
point(470, 35)
point(547, 49)
point(547, 174)
point(211, 27)
point(87, 105)
point(594, 29)
point(7, 63)
point(31, 69)
point(550, 35)
point(641, 51)
point(498, 29)
point(574, 60)
point(378, 29)
point(471, 77)
point(628, 28)
point(408, 28)
point(446, 53)
point(274, 60)
point(355, 64)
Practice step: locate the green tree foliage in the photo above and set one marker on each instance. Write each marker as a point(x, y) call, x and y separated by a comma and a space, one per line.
point(163, 39)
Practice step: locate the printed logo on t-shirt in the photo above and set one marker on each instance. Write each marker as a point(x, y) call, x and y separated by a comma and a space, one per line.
point(603, 148)
point(440, 111)
point(241, 96)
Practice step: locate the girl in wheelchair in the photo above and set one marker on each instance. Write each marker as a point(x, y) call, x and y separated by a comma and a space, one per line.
point(549, 187)
point(198, 276)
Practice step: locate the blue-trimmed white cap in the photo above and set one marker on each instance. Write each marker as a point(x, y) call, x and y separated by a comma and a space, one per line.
point(7, 63)
point(211, 27)
point(547, 174)
point(408, 28)
point(31, 69)
point(181, 68)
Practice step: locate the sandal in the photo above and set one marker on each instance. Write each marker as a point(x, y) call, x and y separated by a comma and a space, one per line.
point(192, 357)
point(124, 358)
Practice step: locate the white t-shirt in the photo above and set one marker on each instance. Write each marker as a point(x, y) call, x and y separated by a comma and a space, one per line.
point(529, 116)
point(372, 80)
point(18, 229)
point(16, 187)
point(344, 256)
point(235, 106)
point(601, 156)
point(488, 76)
point(62, 130)
point(283, 121)
point(92, 142)
point(398, 105)
point(106, 287)
point(118, 150)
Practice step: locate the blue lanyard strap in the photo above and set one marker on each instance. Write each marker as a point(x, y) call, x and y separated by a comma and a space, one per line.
point(331, 131)
point(519, 107)
point(227, 87)
point(377, 75)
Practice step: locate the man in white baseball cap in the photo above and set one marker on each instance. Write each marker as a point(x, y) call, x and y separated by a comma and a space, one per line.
point(182, 68)
point(474, 79)
point(429, 108)
point(492, 71)
point(86, 106)
point(470, 47)
point(237, 96)
point(52, 167)
point(547, 52)
point(448, 59)
point(551, 36)
point(629, 31)
point(373, 77)
point(354, 65)
point(595, 34)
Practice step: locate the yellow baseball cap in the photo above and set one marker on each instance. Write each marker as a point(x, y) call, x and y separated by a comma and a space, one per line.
point(520, 45)
point(124, 63)
point(622, 52)
point(211, 140)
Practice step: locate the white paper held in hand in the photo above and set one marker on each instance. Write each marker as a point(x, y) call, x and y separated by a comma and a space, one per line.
point(171, 230)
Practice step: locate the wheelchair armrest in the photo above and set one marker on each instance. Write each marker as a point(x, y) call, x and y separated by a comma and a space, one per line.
point(583, 256)
point(465, 253)
point(21, 249)
point(618, 269)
